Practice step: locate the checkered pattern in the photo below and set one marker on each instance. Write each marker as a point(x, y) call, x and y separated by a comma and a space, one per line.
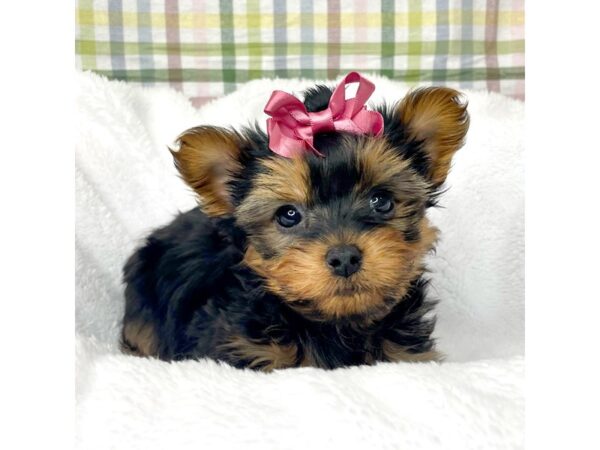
point(206, 48)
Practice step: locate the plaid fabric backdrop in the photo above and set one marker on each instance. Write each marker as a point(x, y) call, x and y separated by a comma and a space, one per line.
point(207, 48)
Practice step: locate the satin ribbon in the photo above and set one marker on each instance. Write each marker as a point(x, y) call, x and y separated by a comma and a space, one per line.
point(291, 128)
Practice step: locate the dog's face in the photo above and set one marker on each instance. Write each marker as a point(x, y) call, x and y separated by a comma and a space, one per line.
point(342, 235)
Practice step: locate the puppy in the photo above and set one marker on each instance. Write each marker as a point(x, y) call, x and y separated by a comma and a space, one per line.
point(307, 248)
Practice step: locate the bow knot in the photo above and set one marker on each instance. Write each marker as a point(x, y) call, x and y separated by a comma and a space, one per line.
point(322, 121)
point(291, 127)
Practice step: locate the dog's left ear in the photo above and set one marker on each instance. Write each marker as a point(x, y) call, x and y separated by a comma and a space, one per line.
point(438, 118)
point(207, 158)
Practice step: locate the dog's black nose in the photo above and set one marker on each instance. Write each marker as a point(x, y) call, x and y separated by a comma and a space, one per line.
point(344, 260)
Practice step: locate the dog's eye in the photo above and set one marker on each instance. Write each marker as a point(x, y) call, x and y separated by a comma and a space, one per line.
point(288, 216)
point(381, 203)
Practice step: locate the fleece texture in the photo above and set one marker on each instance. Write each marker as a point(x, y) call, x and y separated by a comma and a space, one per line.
point(126, 186)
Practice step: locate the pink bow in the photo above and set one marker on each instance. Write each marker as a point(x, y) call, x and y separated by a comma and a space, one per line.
point(291, 128)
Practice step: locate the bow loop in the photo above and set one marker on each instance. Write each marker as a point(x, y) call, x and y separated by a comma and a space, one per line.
point(291, 127)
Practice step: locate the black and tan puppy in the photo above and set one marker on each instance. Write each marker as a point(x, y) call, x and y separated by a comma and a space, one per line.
point(305, 261)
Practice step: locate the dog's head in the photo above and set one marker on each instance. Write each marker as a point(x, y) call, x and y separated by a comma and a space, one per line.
point(338, 235)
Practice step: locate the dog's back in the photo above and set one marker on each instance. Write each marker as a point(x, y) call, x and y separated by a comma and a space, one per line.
point(169, 276)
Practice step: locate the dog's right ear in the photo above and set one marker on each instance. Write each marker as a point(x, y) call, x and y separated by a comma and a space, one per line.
point(437, 118)
point(207, 158)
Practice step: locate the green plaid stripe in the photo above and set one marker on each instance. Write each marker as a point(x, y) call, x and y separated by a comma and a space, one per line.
point(85, 45)
point(254, 51)
point(205, 49)
point(415, 27)
point(258, 51)
point(197, 75)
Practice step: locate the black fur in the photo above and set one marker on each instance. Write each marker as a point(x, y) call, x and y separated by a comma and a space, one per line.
point(188, 281)
point(255, 143)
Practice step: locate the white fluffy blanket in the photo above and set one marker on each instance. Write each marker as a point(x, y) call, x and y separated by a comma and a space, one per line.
point(126, 185)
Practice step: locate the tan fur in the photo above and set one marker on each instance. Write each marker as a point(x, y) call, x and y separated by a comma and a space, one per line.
point(389, 265)
point(394, 352)
point(437, 116)
point(285, 181)
point(206, 158)
point(308, 359)
point(266, 356)
point(377, 163)
point(139, 338)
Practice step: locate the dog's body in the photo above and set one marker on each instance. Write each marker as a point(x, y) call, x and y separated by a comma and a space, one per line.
point(313, 261)
point(190, 286)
